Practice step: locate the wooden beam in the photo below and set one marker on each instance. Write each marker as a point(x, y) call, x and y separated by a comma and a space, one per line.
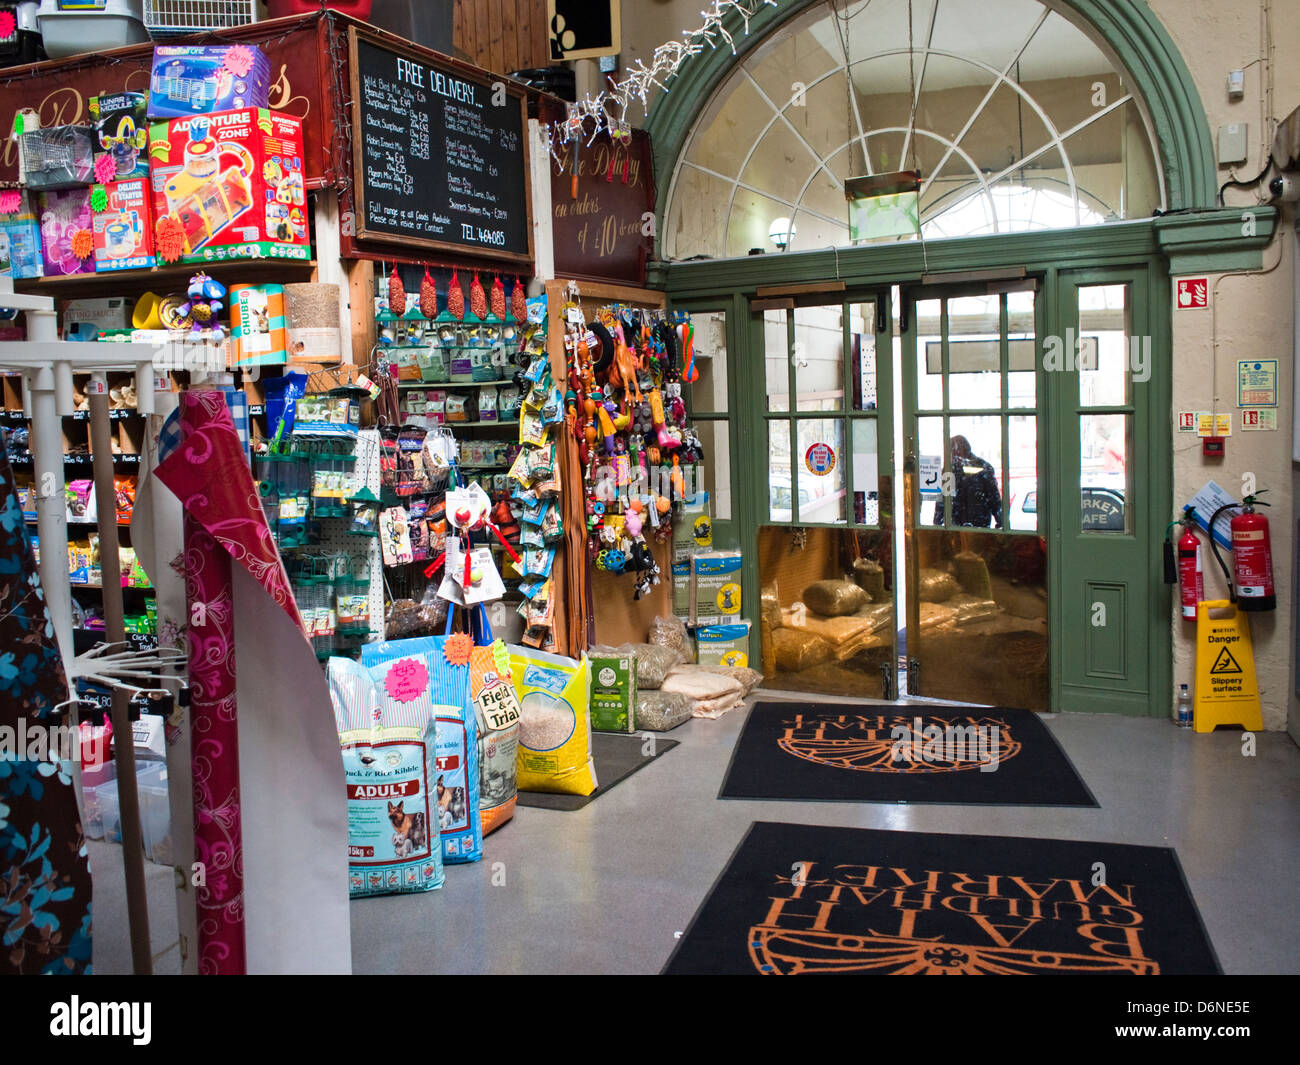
point(800, 289)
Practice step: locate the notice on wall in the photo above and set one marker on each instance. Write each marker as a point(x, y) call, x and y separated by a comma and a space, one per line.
point(1257, 383)
point(1207, 501)
point(439, 154)
point(604, 227)
point(1259, 419)
point(1211, 424)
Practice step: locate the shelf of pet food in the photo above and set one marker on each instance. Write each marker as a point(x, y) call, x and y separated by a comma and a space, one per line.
point(455, 384)
point(251, 271)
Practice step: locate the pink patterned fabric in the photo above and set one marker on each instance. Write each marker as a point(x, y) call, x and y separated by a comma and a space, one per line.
point(224, 524)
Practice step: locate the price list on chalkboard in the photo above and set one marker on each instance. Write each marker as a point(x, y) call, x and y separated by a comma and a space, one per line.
point(439, 156)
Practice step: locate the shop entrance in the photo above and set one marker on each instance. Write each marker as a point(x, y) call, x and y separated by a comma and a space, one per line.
point(933, 487)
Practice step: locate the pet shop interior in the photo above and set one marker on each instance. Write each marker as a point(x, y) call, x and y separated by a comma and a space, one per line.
point(451, 448)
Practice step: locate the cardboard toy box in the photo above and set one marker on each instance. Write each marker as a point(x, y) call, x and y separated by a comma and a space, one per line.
point(722, 645)
point(63, 215)
point(203, 79)
point(613, 693)
point(121, 125)
point(20, 236)
point(233, 181)
point(124, 229)
point(716, 577)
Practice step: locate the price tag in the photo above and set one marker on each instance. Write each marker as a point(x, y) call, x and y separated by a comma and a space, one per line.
point(97, 387)
point(161, 384)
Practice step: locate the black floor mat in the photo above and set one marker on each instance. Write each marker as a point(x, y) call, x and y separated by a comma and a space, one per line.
point(617, 756)
point(847, 752)
point(798, 899)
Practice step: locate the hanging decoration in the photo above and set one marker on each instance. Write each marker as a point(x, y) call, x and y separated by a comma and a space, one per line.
point(609, 110)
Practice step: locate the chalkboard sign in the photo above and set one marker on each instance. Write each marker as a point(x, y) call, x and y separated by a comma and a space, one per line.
point(440, 155)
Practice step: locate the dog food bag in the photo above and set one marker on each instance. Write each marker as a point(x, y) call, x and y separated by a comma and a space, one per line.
point(499, 714)
point(456, 777)
point(388, 736)
point(555, 735)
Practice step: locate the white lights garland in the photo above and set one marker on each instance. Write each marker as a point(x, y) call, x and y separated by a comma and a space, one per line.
point(608, 110)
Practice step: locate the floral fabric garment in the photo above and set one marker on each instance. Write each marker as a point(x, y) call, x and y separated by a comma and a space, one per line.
point(45, 889)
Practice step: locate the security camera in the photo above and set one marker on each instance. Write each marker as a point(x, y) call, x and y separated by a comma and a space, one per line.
point(1285, 187)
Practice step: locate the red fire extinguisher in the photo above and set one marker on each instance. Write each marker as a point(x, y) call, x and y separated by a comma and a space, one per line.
point(1252, 557)
point(1190, 573)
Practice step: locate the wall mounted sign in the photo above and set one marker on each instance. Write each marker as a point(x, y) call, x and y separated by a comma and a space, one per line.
point(1257, 383)
point(1210, 424)
point(1193, 293)
point(1259, 419)
point(440, 153)
point(600, 232)
point(583, 29)
point(820, 459)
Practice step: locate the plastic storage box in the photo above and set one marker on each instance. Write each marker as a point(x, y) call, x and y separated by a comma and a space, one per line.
point(103, 811)
point(78, 30)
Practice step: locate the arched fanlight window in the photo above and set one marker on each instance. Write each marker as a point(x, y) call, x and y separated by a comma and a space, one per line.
point(1012, 116)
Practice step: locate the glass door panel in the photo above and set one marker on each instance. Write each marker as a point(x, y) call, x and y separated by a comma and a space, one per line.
point(824, 544)
point(976, 570)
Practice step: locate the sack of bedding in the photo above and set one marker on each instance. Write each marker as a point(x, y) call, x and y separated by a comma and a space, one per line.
point(555, 729)
point(388, 736)
point(711, 694)
point(456, 773)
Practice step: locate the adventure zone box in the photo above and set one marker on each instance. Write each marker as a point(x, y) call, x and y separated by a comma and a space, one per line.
point(229, 186)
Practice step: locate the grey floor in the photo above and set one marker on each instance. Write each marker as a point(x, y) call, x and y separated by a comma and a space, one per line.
point(606, 889)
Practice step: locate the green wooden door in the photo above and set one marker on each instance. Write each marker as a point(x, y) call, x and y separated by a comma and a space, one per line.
point(1108, 395)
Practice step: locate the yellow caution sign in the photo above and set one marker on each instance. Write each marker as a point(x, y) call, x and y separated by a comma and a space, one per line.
point(1226, 690)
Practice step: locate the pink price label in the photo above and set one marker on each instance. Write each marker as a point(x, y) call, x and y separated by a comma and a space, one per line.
point(407, 680)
